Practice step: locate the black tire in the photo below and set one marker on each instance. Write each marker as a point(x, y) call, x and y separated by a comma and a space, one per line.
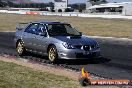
point(84, 81)
point(60, 10)
point(20, 48)
point(52, 54)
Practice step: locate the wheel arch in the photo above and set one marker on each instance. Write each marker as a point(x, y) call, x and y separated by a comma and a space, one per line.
point(18, 41)
point(50, 46)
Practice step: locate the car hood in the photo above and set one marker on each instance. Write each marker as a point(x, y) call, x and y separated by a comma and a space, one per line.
point(76, 40)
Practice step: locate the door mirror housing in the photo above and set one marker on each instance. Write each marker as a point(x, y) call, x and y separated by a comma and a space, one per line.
point(80, 33)
point(19, 28)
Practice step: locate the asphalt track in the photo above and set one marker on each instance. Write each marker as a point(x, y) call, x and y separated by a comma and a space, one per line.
point(116, 62)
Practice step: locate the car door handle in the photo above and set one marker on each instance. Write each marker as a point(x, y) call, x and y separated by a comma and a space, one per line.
point(24, 34)
point(34, 36)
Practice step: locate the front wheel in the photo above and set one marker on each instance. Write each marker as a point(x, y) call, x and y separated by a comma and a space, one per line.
point(52, 54)
point(20, 48)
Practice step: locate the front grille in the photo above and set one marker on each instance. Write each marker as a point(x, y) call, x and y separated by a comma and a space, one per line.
point(84, 47)
point(94, 54)
point(79, 55)
point(93, 46)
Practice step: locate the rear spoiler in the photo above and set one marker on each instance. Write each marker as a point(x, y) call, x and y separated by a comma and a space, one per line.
point(21, 26)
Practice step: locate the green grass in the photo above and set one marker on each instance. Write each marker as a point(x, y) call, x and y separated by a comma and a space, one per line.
point(89, 26)
point(15, 76)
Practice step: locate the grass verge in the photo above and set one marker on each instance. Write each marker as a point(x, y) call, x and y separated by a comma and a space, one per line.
point(16, 76)
point(89, 26)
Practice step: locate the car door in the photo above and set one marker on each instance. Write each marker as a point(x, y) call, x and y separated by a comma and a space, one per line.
point(40, 39)
point(29, 36)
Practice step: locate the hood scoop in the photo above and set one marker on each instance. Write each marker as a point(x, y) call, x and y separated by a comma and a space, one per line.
point(74, 37)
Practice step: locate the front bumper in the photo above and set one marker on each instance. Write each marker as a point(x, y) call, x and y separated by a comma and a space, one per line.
point(78, 54)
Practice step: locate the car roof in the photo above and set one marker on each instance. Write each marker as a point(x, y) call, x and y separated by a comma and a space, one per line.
point(49, 22)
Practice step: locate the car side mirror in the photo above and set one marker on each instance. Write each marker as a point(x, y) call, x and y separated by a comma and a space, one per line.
point(20, 28)
point(17, 28)
point(80, 33)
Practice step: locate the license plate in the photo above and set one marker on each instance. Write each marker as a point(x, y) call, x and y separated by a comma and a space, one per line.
point(86, 53)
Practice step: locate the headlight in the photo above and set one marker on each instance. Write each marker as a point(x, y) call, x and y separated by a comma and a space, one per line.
point(68, 46)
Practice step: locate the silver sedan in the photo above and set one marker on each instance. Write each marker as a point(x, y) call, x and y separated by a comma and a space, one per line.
point(56, 40)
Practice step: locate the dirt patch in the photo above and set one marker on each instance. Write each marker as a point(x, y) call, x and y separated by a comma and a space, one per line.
point(43, 68)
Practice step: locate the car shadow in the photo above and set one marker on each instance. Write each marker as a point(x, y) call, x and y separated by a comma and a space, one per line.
point(44, 59)
point(85, 61)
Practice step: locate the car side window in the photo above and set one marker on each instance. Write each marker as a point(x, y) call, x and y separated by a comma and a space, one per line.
point(32, 28)
point(40, 29)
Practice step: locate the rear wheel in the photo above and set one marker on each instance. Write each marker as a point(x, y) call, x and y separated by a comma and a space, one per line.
point(20, 48)
point(52, 54)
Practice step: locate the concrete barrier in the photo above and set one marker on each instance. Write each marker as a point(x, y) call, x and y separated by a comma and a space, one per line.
point(67, 14)
point(3, 11)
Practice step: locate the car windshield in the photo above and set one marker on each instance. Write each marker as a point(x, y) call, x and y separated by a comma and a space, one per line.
point(62, 29)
